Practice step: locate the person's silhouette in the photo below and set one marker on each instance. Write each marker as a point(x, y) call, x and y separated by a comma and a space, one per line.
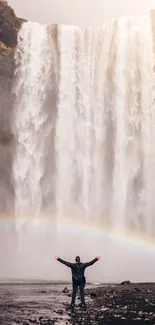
point(78, 278)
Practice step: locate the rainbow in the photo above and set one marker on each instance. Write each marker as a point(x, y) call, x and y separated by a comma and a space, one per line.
point(81, 227)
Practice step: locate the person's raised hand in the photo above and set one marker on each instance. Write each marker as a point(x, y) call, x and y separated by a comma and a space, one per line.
point(98, 257)
point(56, 257)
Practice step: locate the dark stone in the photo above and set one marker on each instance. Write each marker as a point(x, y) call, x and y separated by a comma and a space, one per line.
point(46, 321)
point(60, 312)
point(65, 290)
point(137, 289)
point(93, 294)
point(34, 321)
point(125, 282)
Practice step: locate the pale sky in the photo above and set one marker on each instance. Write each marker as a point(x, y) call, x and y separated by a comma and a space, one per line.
point(78, 12)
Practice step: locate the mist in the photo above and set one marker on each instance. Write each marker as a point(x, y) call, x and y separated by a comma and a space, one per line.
point(30, 252)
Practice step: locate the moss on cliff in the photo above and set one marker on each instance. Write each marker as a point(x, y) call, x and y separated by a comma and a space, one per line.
point(9, 27)
point(6, 64)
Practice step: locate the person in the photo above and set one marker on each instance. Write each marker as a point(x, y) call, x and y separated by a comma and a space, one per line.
point(78, 278)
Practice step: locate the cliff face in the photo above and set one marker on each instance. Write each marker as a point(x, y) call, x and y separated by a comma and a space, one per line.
point(9, 26)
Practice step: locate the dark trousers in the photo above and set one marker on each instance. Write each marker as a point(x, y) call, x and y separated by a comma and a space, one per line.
point(74, 292)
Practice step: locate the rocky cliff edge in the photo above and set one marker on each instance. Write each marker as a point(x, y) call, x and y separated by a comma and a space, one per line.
point(9, 27)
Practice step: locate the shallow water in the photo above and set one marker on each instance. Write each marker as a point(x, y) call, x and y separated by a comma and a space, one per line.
point(27, 302)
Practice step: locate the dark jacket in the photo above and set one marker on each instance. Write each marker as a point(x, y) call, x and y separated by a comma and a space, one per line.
point(78, 270)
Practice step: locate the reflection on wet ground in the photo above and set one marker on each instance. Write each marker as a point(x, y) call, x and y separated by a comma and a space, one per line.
point(26, 303)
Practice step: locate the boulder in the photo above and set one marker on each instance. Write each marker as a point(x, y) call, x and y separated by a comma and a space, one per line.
point(46, 321)
point(65, 290)
point(125, 282)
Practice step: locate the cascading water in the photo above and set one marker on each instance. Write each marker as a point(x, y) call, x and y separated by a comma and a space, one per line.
point(33, 125)
point(85, 128)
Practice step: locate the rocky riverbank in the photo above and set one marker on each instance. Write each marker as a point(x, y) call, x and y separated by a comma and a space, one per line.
point(43, 304)
point(131, 304)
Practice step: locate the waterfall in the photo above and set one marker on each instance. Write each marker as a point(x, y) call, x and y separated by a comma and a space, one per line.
point(85, 123)
point(34, 121)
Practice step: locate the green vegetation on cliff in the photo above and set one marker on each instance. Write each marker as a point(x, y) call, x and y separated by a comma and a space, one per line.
point(9, 27)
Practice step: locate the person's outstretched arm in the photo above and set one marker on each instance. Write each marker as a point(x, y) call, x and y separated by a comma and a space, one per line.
point(64, 262)
point(92, 262)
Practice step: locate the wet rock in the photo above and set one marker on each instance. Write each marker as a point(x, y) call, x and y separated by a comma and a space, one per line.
point(33, 321)
point(137, 289)
point(60, 312)
point(45, 321)
point(65, 290)
point(125, 282)
point(93, 294)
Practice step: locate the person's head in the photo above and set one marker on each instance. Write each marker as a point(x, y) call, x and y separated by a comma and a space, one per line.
point(77, 259)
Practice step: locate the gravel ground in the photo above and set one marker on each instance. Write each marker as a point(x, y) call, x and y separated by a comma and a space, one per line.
point(42, 304)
